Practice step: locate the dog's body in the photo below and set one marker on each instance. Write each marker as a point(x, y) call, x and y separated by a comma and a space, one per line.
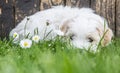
point(82, 25)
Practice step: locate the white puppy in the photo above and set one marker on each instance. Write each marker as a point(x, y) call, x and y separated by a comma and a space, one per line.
point(83, 26)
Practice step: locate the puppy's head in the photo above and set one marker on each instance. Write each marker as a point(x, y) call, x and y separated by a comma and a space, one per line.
point(84, 32)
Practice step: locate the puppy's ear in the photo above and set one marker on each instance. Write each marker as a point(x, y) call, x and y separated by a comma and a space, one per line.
point(65, 27)
point(107, 36)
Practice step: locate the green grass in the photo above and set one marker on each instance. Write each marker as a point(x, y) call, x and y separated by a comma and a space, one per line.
point(58, 57)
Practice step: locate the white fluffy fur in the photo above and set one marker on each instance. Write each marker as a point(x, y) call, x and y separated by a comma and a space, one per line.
point(83, 24)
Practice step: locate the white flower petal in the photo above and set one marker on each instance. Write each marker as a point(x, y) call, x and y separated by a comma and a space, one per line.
point(25, 43)
point(15, 35)
point(36, 38)
point(58, 32)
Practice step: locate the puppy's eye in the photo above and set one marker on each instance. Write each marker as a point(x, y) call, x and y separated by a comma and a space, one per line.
point(90, 39)
point(72, 37)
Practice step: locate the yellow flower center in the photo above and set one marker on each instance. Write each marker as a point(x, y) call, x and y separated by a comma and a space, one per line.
point(15, 35)
point(26, 44)
point(36, 38)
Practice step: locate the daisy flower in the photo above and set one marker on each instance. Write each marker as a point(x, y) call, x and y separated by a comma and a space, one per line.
point(58, 32)
point(36, 38)
point(15, 35)
point(25, 43)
